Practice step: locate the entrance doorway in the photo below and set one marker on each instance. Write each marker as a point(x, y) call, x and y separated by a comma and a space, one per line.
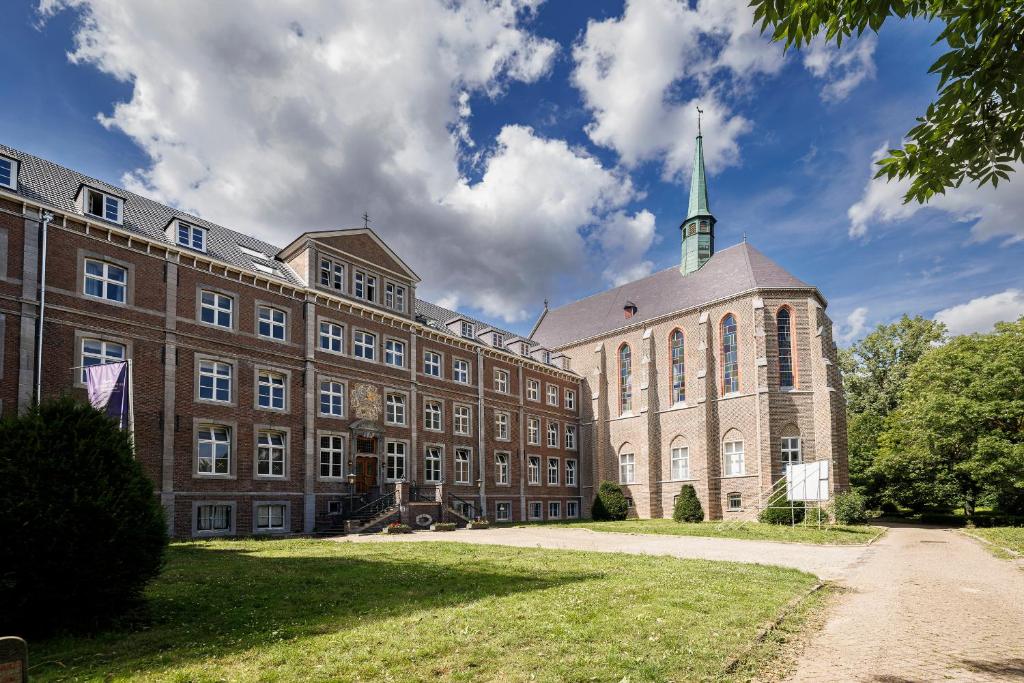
point(366, 474)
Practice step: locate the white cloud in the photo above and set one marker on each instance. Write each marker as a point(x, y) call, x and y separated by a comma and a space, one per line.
point(842, 69)
point(288, 116)
point(996, 210)
point(642, 74)
point(855, 325)
point(981, 314)
point(624, 240)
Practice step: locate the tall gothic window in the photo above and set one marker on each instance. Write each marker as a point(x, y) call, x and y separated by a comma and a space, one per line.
point(783, 326)
point(625, 379)
point(678, 367)
point(730, 357)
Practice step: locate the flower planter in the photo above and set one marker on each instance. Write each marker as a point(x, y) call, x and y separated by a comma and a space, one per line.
point(396, 529)
point(443, 526)
point(480, 524)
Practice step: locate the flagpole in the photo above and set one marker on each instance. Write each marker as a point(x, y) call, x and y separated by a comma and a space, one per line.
point(131, 402)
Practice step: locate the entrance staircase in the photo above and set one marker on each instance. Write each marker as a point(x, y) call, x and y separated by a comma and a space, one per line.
point(367, 518)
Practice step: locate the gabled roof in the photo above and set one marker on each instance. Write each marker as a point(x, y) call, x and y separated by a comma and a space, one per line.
point(734, 270)
point(325, 235)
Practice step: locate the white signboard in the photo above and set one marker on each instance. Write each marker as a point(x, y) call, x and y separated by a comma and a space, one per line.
point(807, 481)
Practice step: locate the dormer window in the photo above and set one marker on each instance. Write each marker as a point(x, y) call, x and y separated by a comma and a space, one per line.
point(8, 173)
point(547, 357)
point(499, 340)
point(191, 236)
point(103, 205)
point(468, 329)
point(629, 309)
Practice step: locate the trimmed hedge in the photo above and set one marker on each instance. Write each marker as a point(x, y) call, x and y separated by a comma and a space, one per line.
point(610, 504)
point(687, 507)
point(782, 511)
point(82, 529)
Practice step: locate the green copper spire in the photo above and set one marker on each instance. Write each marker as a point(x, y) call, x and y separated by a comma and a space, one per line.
point(698, 227)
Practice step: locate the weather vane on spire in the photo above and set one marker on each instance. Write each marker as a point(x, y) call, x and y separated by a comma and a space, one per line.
point(699, 112)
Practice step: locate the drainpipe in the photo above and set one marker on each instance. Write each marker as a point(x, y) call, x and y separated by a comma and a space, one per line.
point(44, 223)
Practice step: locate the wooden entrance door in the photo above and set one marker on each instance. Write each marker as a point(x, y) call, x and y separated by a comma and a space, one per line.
point(366, 474)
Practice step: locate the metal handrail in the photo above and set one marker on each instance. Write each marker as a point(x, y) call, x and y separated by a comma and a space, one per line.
point(472, 504)
point(375, 507)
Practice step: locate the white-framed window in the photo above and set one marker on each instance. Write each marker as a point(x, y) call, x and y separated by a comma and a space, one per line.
point(501, 381)
point(364, 345)
point(332, 274)
point(105, 281)
point(431, 363)
point(462, 422)
point(394, 297)
point(332, 398)
point(572, 509)
point(460, 371)
point(734, 501)
point(554, 509)
point(503, 512)
point(394, 353)
point(270, 390)
point(213, 518)
point(552, 395)
point(570, 399)
point(270, 453)
point(570, 437)
point(533, 431)
point(791, 454)
point(365, 286)
point(533, 469)
point(432, 467)
point(680, 462)
point(103, 205)
point(498, 340)
point(570, 472)
point(501, 426)
point(627, 468)
point(332, 337)
point(216, 308)
point(467, 329)
point(501, 473)
point(733, 452)
point(332, 456)
point(271, 323)
point(9, 173)
point(215, 381)
point(394, 409)
point(432, 416)
point(532, 390)
point(214, 456)
point(394, 463)
point(552, 434)
point(99, 352)
point(271, 516)
point(463, 466)
point(191, 236)
point(536, 510)
point(554, 467)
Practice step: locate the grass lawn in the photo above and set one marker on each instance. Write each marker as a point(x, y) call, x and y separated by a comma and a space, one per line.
point(318, 610)
point(752, 531)
point(1011, 537)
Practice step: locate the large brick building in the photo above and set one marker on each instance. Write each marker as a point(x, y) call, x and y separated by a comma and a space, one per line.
point(280, 390)
point(715, 373)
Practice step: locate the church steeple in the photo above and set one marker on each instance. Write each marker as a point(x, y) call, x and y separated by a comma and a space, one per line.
point(698, 227)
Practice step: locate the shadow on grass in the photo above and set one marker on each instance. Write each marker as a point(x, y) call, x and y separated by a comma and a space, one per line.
point(212, 601)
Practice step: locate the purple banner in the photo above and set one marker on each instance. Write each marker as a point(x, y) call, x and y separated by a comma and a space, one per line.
point(107, 385)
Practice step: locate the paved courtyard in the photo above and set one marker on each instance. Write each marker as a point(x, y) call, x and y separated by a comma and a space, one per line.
point(921, 604)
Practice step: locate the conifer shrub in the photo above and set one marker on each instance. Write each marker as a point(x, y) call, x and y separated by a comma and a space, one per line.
point(82, 530)
point(782, 511)
point(610, 504)
point(687, 507)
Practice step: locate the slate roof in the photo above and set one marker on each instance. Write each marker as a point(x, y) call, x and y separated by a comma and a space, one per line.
point(734, 270)
point(442, 315)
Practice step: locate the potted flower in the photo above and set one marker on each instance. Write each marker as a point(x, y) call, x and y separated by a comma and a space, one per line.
point(442, 526)
point(397, 528)
point(481, 523)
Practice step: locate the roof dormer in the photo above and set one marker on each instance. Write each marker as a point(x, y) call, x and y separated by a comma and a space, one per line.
point(541, 354)
point(629, 309)
point(97, 203)
point(462, 326)
point(9, 172)
point(188, 235)
point(492, 337)
point(518, 345)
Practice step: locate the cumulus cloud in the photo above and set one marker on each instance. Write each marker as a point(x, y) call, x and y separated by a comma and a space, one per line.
point(288, 116)
point(642, 74)
point(856, 322)
point(995, 212)
point(842, 69)
point(981, 314)
point(625, 239)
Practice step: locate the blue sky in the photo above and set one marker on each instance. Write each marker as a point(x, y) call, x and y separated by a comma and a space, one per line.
point(514, 153)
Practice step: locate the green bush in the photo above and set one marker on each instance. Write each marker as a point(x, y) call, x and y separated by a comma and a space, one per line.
point(849, 507)
point(781, 511)
point(82, 530)
point(687, 507)
point(610, 503)
point(890, 508)
point(443, 526)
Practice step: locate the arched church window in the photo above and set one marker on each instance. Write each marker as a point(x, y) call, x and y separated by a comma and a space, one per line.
point(783, 326)
point(625, 379)
point(678, 367)
point(730, 356)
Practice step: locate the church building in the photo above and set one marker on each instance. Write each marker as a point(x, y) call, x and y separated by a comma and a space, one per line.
point(715, 373)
